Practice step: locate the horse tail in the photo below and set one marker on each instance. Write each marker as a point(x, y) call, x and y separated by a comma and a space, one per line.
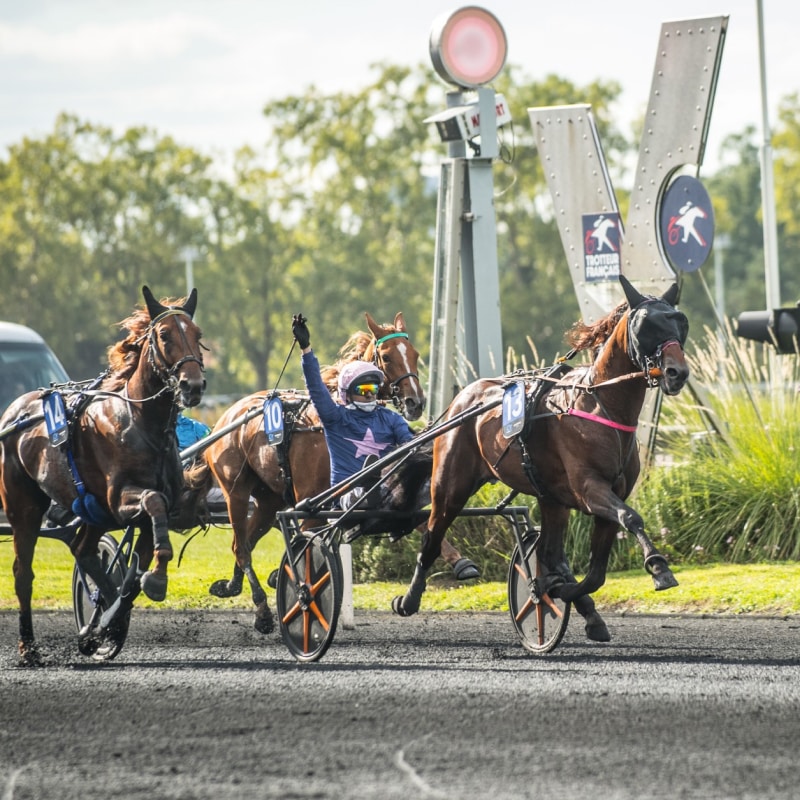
point(191, 508)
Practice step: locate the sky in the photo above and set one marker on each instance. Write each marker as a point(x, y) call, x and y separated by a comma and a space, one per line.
point(201, 71)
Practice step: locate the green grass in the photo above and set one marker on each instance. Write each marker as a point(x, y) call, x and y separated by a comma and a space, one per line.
point(765, 588)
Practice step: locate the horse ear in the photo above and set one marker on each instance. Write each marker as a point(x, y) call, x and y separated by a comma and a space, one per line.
point(190, 306)
point(376, 329)
point(633, 297)
point(672, 295)
point(154, 308)
point(399, 322)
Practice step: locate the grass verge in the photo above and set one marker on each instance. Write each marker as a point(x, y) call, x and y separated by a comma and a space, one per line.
point(772, 588)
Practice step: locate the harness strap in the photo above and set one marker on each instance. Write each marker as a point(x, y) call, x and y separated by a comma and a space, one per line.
point(576, 412)
point(397, 335)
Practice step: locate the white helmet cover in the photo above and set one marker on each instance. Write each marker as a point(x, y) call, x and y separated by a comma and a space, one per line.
point(357, 372)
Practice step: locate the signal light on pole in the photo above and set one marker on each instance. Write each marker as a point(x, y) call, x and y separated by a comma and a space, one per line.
point(779, 327)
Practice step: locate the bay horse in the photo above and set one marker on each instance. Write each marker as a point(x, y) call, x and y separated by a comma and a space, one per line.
point(577, 449)
point(118, 464)
point(246, 466)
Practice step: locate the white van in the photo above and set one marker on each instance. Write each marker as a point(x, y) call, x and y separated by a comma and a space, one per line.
point(26, 363)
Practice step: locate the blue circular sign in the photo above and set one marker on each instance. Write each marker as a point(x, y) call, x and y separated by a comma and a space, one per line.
point(687, 224)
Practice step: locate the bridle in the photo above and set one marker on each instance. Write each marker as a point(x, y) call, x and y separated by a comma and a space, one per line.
point(377, 360)
point(650, 364)
point(167, 372)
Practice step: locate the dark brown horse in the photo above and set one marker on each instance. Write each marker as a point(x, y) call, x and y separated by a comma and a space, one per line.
point(577, 449)
point(119, 463)
point(246, 466)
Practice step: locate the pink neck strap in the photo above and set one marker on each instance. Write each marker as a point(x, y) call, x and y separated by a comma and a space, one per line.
point(575, 412)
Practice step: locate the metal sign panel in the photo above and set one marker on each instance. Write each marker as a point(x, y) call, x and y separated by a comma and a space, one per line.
point(675, 132)
point(577, 175)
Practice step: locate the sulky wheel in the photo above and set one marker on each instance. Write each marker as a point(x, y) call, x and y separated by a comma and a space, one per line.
point(91, 604)
point(308, 602)
point(540, 621)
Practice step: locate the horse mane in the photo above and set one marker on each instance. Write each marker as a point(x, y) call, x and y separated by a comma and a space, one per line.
point(584, 337)
point(123, 357)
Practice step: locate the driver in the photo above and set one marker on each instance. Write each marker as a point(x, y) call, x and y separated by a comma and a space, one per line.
point(356, 428)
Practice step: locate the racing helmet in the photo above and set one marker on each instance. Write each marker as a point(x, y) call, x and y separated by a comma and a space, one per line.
point(357, 372)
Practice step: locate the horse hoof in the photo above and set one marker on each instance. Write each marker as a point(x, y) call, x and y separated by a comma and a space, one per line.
point(264, 622)
point(29, 655)
point(664, 580)
point(154, 585)
point(597, 632)
point(272, 581)
point(88, 641)
point(223, 588)
point(400, 609)
point(465, 570)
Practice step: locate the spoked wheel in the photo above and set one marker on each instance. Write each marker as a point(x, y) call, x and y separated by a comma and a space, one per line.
point(540, 620)
point(309, 602)
point(84, 604)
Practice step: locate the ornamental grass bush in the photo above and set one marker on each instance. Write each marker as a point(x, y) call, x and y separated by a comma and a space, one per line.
point(731, 494)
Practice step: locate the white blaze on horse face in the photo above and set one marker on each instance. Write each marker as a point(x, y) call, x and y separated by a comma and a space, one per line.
point(403, 352)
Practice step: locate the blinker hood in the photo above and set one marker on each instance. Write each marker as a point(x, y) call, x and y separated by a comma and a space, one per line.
point(652, 322)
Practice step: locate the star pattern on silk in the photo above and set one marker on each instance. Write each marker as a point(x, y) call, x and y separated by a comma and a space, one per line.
point(368, 446)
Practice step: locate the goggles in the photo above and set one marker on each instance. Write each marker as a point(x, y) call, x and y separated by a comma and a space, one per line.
point(365, 388)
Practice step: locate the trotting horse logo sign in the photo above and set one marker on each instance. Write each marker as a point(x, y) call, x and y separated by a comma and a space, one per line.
point(601, 241)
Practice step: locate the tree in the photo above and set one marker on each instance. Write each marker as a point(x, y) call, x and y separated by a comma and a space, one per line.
point(87, 218)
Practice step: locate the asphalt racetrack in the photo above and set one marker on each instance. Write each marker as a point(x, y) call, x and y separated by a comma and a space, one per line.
point(442, 705)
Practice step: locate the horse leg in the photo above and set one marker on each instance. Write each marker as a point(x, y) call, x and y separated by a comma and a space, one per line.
point(247, 532)
point(654, 562)
point(238, 508)
point(154, 581)
point(594, 625)
point(614, 510)
point(24, 547)
point(463, 568)
point(267, 504)
point(602, 540)
point(118, 602)
point(85, 552)
point(555, 519)
point(408, 604)
point(448, 498)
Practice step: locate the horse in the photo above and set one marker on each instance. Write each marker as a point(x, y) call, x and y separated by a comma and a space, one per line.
point(118, 464)
point(577, 449)
point(249, 470)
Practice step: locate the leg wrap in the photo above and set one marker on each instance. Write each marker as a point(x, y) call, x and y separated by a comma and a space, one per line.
point(161, 533)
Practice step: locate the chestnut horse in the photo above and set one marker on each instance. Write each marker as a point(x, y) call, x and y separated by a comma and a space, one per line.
point(577, 450)
point(246, 466)
point(118, 463)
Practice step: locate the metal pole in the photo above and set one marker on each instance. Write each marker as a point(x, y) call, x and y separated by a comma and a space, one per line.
point(771, 270)
point(721, 244)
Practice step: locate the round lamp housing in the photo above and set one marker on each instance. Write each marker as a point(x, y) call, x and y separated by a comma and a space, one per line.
point(468, 47)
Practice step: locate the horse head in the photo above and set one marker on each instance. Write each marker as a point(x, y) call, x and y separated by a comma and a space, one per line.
point(392, 351)
point(657, 333)
point(175, 353)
